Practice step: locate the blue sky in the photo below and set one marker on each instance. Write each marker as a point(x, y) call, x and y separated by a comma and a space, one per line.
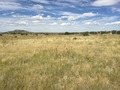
point(59, 15)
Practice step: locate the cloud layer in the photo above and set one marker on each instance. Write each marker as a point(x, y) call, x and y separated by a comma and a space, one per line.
point(59, 15)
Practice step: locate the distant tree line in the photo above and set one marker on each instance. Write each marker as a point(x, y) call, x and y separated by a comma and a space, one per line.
point(94, 32)
point(23, 32)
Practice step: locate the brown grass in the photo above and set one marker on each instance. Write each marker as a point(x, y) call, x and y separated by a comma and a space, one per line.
point(60, 62)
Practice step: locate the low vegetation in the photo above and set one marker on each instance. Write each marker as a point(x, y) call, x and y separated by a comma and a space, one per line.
point(59, 62)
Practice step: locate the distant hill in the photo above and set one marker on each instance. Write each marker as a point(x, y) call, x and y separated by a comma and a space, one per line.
point(18, 32)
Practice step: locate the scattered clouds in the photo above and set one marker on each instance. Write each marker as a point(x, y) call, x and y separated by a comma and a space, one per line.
point(99, 3)
point(59, 15)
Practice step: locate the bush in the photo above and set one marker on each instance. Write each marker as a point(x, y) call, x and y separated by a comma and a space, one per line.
point(67, 33)
point(15, 37)
point(74, 38)
point(114, 32)
point(0, 34)
point(85, 34)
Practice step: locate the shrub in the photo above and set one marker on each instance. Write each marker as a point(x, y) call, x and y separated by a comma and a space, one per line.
point(15, 36)
point(85, 34)
point(0, 34)
point(74, 38)
point(67, 33)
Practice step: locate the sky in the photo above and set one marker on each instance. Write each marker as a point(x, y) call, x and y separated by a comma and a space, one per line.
point(59, 15)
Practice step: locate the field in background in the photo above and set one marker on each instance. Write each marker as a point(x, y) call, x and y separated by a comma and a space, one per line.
point(59, 62)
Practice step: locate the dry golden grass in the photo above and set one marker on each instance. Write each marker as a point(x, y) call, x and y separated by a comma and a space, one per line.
point(60, 62)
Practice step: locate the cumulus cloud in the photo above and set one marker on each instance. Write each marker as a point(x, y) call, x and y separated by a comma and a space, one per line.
point(37, 17)
point(99, 3)
point(58, 15)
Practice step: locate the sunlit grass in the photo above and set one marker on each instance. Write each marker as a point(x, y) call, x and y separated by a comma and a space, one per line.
point(55, 62)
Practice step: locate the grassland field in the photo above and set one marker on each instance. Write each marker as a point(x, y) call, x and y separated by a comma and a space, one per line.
point(60, 62)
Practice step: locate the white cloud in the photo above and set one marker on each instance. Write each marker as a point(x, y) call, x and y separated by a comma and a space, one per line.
point(99, 3)
point(107, 19)
point(14, 5)
point(54, 23)
point(26, 20)
point(102, 19)
point(41, 1)
point(37, 7)
point(113, 23)
point(36, 21)
point(48, 17)
point(92, 23)
point(73, 16)
point(116, 10)
point(41, 23)
point(64, 24)
point(89, 14)
point(21, 23)
point(37, 17)
point(9, 5)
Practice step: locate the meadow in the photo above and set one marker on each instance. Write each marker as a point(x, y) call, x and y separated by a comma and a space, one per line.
point(59, 62)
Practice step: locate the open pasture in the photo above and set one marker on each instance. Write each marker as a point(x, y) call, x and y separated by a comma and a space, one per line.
point(60, 62)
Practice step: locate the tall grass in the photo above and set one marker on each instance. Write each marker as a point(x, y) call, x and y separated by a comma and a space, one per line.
point(60, 63)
